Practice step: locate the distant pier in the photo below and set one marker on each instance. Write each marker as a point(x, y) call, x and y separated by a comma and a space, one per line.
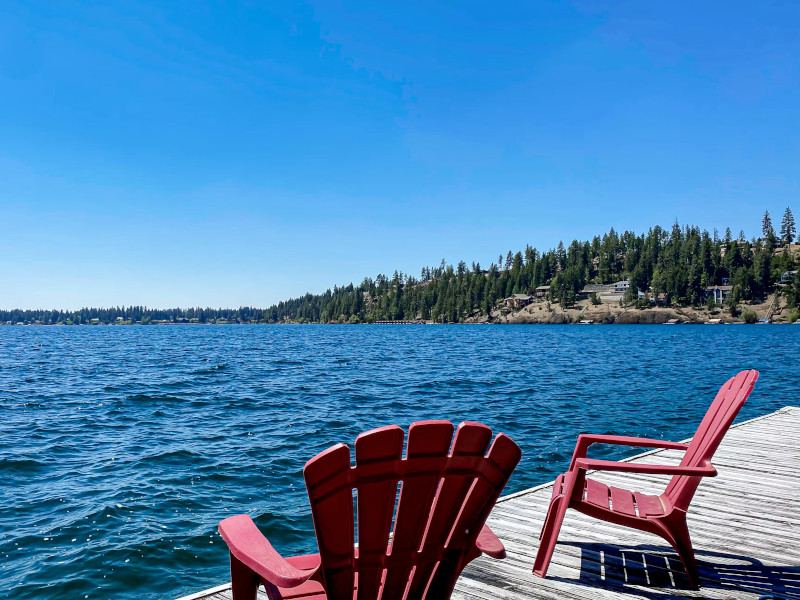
point(416, 322)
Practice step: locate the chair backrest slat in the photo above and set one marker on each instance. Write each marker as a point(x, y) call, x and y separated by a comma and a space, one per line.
point(471, 441)
point(503, 456)
point(382, 450)
point(712, 429)
point(327, 482)
point(445, 497)
point(428, 442)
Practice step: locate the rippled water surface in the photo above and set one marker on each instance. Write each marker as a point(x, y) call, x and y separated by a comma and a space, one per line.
point(122, 447)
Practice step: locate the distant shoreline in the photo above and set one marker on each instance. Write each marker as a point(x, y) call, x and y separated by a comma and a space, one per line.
point(773, 310)
point(499, 324)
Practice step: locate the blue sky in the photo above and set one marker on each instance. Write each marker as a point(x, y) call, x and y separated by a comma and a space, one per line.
point(239, 153)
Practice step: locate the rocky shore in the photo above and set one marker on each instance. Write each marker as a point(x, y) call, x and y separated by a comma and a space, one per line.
point(547, 313)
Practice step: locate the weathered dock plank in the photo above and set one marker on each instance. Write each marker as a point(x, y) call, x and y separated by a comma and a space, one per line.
point(745, 525)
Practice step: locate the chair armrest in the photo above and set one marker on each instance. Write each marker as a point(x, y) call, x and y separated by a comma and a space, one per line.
point(251, 548)
point(628, 467)
point(584, 441)
point(488, 543)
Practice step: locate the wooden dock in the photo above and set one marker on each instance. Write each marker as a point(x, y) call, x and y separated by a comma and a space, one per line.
point(745, 526)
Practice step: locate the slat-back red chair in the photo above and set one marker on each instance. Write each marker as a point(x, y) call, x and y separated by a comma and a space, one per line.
point(446, 494)
point(663, 515)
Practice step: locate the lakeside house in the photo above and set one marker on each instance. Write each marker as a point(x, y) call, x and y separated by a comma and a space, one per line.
point(718, 292)
point(542, 291)
point(594, 288)
point(517, 301)
point(620, 287)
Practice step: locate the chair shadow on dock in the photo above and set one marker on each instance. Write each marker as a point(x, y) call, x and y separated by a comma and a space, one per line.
point(655, 567)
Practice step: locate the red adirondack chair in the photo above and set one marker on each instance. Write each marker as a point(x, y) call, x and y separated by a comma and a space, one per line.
point(663, 515)
point(445, 496)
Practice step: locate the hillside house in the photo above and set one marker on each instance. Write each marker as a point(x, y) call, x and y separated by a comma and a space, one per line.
point(718, 292)
point(788, 277)
point(542, 291)
point(620, 287)
point(517, 301)
point(594, 288)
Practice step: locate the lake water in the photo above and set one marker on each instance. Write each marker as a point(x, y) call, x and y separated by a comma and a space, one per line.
point(121, 448)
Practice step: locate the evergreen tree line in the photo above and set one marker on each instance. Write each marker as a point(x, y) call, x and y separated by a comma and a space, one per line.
point(679, 263)
point(132, 314)
point(675, 265)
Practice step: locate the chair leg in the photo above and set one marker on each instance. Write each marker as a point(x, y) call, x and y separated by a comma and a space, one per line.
point(547, 518)
point(552, 526)
point(244, 581)
point(682, 543)
point(559, 482)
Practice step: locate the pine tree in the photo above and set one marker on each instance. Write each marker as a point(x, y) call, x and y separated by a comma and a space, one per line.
point(787, 227)
point(561, 254)
point(766, 226)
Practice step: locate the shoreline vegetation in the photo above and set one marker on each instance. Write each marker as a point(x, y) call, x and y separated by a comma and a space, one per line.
point(681, 275)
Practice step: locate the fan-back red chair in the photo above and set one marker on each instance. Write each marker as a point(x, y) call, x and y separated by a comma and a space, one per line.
point(446, 495)
point(663, 515)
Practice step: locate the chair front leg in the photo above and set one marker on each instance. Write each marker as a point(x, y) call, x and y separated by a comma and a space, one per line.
point(547, 518)
point(244, 581)
point(552, 525)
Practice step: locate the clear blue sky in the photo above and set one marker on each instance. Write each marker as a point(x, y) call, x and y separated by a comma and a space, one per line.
point(210, 153)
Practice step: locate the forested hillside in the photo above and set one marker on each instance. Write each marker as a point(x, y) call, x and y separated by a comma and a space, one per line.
point(679, 263)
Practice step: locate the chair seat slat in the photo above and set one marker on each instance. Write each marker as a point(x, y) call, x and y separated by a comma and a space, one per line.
point(622, 501)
